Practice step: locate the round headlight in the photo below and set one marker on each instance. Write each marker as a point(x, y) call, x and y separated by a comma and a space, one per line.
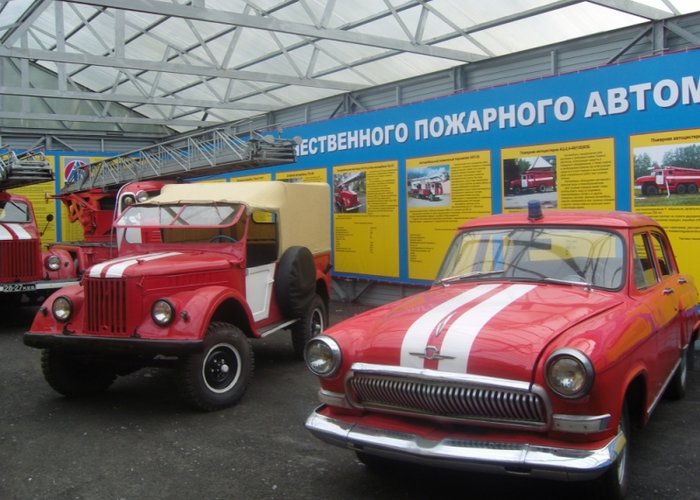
point(162, 312)
point(62, 308)
point(141, 196)
point(53, 262)
point(569, 373)
point(322, 355)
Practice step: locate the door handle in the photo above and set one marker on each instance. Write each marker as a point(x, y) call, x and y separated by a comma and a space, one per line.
point(668, 291)
point(682, 280)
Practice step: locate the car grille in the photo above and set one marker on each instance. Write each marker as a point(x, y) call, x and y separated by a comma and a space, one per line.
point(106, 306)
point(18, 260)
point(460, 400)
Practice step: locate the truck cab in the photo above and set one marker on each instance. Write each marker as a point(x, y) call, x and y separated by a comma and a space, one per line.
point(202, 270)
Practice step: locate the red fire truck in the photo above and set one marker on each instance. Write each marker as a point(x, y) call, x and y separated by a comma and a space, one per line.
point(539, 180)
point(669, 179)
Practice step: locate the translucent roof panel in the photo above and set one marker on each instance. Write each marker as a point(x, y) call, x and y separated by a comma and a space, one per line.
point(194, 64)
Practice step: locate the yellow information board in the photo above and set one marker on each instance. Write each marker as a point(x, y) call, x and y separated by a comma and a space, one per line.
point(366, 220)
point(675, 201)
point(443, 192)
point(252, 177)
point(575, 175)
point(309, 175)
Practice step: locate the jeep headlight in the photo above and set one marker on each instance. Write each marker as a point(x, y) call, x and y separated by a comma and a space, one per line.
point(322, 356)
point(53, 263)
point(62, 308)
point(162, 312)
point(569, 373)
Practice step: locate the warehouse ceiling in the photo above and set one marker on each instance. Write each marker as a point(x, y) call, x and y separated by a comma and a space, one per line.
point(130, 65)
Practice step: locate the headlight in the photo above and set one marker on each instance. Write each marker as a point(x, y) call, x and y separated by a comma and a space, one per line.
point(141, 196)
point(62, 308)
point(569, 373)
point(53, 263)
point(322, 355)
point(162, 312)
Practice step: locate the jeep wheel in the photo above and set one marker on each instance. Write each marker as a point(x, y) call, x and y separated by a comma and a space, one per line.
point(74, 376)
point(219, 376)
point(295, 281)
point(311, 324)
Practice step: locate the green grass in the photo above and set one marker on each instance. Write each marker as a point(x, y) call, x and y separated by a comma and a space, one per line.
point(675, 200)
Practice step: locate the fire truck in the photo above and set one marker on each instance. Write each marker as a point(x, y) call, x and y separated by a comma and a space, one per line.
point(669, 179)
point(345, 198)
point(26, 271)
point(426, 188)
point(539, 180)
point(202, 269)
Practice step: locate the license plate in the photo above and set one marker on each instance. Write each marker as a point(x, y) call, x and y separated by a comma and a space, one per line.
point(17, 287)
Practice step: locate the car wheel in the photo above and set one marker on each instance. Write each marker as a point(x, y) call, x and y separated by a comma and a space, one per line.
point(295, 281)
point(310, 325)
point(613, 483)
point(219, 376)
point(679, 382)
point(73, 376)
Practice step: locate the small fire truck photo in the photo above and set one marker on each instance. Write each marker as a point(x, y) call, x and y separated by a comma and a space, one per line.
point(669, 179)
point(202, 269)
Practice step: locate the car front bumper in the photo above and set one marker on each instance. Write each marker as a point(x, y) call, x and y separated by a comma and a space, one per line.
point(473, 454)
point(84, 343)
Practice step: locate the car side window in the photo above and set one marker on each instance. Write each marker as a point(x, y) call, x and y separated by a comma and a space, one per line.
point(662, 254)
point(643, 261)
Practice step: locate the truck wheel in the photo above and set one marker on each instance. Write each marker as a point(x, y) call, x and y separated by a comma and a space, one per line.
point(692, 189)
point(295, 281)
point(681, 189)
point(652, 190)
point(541, 188)
point(311, 324)
point(74, 376)
point(219, 376)
point(517, 190)
point(613, 483)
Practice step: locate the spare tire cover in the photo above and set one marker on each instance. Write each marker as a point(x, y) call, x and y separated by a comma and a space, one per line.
point(295, 281)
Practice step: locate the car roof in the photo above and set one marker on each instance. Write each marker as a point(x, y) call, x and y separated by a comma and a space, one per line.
point(560, 217)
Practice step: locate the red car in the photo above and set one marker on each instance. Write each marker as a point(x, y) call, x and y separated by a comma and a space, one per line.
point(543, 339)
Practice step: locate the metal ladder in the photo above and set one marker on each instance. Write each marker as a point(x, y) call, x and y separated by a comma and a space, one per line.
point(24, 168)
point(210, 152)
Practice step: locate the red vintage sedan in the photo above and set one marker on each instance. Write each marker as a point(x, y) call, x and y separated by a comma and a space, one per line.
point(544, 339)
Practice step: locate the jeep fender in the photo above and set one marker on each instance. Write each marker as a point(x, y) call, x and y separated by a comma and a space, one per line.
point(196, 309)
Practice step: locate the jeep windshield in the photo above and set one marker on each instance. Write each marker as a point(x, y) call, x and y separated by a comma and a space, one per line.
point(570, 256)
point(191, 215)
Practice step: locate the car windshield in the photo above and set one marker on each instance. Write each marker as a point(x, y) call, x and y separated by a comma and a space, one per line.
point(575, 256)
point(197, 215)
point(14, 211)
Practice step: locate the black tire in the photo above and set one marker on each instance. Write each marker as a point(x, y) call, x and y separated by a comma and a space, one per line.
point(652, 190)
point(219, 376)
point(692, 189)
point(681, 189)
point(313, 323)
point(73, 375)
point(679, 383)
point(613, 483)
point(541, 188)
point(517, 190)
point(295, 281)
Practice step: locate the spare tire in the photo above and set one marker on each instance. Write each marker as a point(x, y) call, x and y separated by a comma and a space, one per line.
point(295, 281)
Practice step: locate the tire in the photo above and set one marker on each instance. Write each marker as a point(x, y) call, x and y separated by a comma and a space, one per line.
point(541, 188)
point(692, 188)
point(652, 190)
point(295, 281)
point(679, 383)
point(219, 376)
point(681, 189)
point(313, 323)
point(74, 376)
point(613, 483)
point(517, 190)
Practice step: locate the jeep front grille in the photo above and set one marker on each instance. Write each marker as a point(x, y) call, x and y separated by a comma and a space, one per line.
point(105, 301)
point(18, 260)
point(458, 399)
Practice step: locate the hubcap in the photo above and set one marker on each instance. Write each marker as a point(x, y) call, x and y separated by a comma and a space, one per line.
point(222, 368)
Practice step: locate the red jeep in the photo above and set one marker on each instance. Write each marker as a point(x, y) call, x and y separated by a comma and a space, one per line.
point(202, 269)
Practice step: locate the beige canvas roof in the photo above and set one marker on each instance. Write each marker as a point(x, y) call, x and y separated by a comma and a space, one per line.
point(303, 208)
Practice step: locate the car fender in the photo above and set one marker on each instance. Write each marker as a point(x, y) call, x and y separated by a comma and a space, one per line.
point(66, 268)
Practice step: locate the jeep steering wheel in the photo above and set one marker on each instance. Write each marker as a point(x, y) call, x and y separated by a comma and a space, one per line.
point(225, 237)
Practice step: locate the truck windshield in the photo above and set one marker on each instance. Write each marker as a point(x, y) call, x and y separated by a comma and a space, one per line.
point(571, 256)
point(14, 211)
point(194, 215)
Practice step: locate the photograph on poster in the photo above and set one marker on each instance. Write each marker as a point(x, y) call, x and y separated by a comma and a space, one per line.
point(428, 187)
point(667, 175)
point(350, 192)
point(528, 178)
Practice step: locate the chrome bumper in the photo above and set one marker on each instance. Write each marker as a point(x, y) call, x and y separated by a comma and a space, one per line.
point(569, 464)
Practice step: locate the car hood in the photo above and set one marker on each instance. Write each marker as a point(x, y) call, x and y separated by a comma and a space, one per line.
point(494, 329)
point(161, 263)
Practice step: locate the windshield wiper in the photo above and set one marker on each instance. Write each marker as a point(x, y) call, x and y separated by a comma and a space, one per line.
point(575, 280)
point(466, 276)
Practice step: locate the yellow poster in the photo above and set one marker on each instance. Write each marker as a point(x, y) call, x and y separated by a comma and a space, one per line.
point(666, 187)
point(252, 177)
point(309, 175)
point(578, 174)
point(366, 220)
point(442, 192)
point(44, 207)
